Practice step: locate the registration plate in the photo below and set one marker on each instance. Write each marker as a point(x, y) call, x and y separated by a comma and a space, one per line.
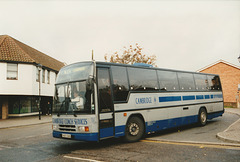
point(66, 136)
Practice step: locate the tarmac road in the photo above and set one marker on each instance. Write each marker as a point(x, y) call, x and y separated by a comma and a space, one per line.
point(35, 143)
point(196, 134)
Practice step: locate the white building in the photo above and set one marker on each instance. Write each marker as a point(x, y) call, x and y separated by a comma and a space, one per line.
point(20, 81)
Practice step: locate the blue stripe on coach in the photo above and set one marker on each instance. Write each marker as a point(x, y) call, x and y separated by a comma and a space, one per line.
point(170, 98)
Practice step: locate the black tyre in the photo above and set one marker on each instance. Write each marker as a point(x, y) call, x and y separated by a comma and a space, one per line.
point(134, 129)
point(202, 117)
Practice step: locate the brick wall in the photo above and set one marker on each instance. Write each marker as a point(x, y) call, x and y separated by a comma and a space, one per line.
point(230, 78)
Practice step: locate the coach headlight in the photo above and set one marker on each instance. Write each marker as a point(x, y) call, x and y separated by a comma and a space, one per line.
point(83, 128)
point(54, 127)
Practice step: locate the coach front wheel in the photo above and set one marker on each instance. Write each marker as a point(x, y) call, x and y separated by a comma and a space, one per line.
point(134, 129)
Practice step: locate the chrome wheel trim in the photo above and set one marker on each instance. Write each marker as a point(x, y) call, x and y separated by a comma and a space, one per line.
point(203, 117)
point(134, 129)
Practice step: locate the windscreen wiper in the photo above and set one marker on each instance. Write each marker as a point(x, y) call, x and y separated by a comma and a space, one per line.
point(61, 108)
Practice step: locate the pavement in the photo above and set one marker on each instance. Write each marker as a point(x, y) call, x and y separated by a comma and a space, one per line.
point(231, 134)
point(24, 121)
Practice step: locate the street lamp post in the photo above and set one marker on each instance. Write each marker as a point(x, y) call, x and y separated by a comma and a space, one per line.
point(39, 67)
point(238, 88)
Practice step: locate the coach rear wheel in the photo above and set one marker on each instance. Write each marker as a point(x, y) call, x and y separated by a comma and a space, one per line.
point(134, 129)
point(202, 117)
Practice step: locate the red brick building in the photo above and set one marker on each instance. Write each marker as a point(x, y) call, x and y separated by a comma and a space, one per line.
point(230, 79)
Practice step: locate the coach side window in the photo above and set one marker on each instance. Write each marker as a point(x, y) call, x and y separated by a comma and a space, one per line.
point(214, 82)
point(201, 82)
point(120, 83)
point(143, 79)
point(168, 80)
point(186, 81)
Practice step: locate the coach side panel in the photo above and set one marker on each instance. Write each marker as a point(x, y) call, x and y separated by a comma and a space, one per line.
point(165, 110)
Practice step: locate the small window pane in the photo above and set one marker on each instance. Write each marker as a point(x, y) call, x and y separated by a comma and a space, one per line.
point(201, 82)
point(12, 67)
point(143, 79)
point(168, 80)
point(34, 104)
point(186, 81)
point(25, 105)
point(11, 75)
point(120, 83)
point(37, 74)
point(48, 77)
point(14, 105)
point(214, 82)
point(43, 75)
point(12, 71)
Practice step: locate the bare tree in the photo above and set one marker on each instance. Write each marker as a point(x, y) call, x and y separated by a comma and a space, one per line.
point(131, 55)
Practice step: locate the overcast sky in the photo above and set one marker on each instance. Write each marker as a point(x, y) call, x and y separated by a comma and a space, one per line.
point(186, 35)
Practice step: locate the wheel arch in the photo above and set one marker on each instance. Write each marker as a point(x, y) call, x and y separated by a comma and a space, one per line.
point(139, 116)
point(203, 107)
point(135, 120)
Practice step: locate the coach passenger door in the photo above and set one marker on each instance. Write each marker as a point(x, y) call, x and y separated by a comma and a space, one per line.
point(105, 104)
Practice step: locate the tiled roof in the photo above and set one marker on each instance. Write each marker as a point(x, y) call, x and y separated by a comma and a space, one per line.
point(13, 50)
point(219, 61)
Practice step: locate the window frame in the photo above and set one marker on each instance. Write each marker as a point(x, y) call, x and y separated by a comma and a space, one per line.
point(106, 92)
point(43, 75)
point(195, 75)
point(48, 76)
point(145, 88)
point(121, 90)
point(37, 74)
point(177, 86)
point(15, 71)
point(212, 86)
point(182, 88)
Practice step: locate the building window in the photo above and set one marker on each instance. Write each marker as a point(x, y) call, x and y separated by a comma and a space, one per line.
point(48, 77)
point(22, 105)
point(25, 105)
point(12, 71)
point(37, 74)
point(43, 75)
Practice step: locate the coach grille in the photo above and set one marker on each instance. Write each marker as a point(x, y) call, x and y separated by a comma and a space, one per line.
point(71, 128)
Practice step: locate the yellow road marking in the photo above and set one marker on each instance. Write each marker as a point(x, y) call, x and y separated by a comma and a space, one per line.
point(196, 144)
